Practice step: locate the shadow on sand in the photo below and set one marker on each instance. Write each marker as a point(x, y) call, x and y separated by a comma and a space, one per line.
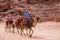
point(37, 37)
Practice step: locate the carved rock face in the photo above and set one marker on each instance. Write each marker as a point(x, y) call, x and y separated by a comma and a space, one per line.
point(4, 7)
point(18, 7)
point(42, 1)
point(3, 1)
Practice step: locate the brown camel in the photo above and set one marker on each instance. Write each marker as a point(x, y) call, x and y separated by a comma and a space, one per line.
point(9, 24)
point(17, 24)
point(28, 24)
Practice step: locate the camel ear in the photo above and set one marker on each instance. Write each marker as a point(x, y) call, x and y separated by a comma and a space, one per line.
point(38, 17)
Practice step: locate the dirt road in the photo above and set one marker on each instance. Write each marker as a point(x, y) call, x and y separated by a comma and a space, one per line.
point(42, 31)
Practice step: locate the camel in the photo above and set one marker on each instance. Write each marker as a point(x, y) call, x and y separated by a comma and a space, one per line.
point(17, 24)
point(28, 24)
point(9, 25)
point(22, 24)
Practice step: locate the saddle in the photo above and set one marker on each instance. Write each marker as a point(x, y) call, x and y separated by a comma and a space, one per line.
point(18, 21)
point(9, 21)
point(27, 21)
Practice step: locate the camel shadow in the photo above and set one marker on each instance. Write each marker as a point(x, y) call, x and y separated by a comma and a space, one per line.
point(37, 37)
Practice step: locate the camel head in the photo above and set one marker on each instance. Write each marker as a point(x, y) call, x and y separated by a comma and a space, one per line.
point(36, 20)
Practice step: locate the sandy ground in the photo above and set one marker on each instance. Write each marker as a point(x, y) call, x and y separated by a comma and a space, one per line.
point(42, 31)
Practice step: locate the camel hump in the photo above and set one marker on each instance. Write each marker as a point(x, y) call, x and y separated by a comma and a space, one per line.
point(9, 19)
point(18, 21)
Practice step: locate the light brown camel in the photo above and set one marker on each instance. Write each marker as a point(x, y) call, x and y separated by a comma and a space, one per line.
point(8, 24)
point(28, 24)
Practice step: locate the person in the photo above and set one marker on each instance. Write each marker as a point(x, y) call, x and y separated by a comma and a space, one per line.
point(26, 14)
point(28, 17)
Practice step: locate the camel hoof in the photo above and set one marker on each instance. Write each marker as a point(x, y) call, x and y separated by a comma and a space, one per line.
point(18, 32)
point(26, 34)
point(13, 32)
point(30, 36)
point(21, 34)
point(5, 30)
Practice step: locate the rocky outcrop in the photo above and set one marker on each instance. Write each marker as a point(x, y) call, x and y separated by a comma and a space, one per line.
point(48, 10)
point(4, 6)
point(42, 1)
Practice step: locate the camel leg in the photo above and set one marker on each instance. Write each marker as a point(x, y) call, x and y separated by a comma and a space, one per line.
point(9, 29)
point(9, 26)
point(30, 34)
point(5, 28)
point(26, 31)
point(13, 28)
point(22, 32)
point(17, 29)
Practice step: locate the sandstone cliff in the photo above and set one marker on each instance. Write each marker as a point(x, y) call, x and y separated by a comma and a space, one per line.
point(47, 9)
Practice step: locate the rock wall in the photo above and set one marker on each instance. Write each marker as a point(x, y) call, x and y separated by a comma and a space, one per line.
point(39, 7)
point(42, 1)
